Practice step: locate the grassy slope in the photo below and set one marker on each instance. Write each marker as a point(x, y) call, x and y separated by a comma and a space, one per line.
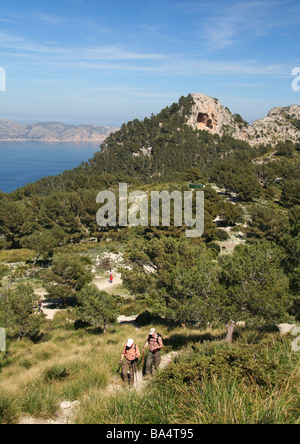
point(91, 361)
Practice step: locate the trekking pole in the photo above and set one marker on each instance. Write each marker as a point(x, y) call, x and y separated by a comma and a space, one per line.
point(119, 368)
point(156, 360)
point(140, 361)
point(143, 361)
point(131, 374)
point(3, 357)
point(135, 370)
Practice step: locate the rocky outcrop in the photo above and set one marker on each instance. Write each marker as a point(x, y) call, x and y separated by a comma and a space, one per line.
point(64, 416)
point(209, 114)
point(285, 329)
point(281, 124)
point(53, 132)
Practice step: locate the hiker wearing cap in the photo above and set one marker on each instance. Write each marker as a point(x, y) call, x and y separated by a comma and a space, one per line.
point(129, 358)
point(155, 343)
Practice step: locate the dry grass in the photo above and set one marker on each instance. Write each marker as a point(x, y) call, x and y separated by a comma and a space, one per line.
point(16, 256)
point(91, 360)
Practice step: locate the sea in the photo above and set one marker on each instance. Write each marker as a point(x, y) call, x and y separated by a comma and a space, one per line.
point(25, 162)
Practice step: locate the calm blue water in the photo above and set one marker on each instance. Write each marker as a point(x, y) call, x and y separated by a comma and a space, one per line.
point(25, 162)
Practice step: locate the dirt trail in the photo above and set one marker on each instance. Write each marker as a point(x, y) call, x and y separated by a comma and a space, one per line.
point(139, 380)
point(67, 411)
point(101, 284)
point(166, 360)
point(104, 284)
point(47, 305)
point(50, 312)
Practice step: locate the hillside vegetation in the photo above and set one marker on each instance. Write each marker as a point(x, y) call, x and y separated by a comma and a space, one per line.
point(216, 299)
point(253, 381)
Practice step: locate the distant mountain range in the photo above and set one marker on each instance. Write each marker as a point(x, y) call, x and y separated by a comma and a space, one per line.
point(207, 113)
point(53, 132)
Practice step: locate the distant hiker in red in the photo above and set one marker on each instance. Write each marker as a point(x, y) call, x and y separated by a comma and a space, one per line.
point(111, 278)
point(40, 305)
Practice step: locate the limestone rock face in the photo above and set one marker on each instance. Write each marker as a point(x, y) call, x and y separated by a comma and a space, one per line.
point(281, 124)
point(209, 114)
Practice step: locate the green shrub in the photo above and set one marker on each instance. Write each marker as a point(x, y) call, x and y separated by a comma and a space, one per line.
point(4, 270)
point(222, 235)
point(56, 373)
point(250, 364)
point(14, 256)
point(26, 364)
point(214, 247)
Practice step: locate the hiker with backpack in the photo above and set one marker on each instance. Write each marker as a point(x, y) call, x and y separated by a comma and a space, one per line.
point(155, 344)
point(40, 305)
point(129, 358)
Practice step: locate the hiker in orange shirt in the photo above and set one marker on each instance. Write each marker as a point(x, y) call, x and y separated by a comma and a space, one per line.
point(129, 358)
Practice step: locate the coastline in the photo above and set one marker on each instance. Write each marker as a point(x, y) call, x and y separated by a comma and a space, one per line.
point(27, 161)
point(55, 140)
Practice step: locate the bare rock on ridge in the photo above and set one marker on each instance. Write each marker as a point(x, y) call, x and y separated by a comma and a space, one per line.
point(281, 124)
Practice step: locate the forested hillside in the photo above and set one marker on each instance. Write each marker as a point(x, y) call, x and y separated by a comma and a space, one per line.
point(244, 270)
point(160, 149)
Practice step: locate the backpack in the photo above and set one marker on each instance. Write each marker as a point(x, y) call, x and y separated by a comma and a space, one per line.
point(128, 348)
point(158, 336)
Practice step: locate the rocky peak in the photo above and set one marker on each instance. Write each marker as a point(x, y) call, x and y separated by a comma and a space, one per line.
point(282, 123)
point(209, 114)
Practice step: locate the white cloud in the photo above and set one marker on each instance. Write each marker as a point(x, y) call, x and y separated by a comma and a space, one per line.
point(105, 52)
point(49, 19)
point(241, 21)
point(115, 53)
point(118, 58)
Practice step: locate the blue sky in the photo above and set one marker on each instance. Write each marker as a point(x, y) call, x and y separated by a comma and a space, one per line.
point(89, 61)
